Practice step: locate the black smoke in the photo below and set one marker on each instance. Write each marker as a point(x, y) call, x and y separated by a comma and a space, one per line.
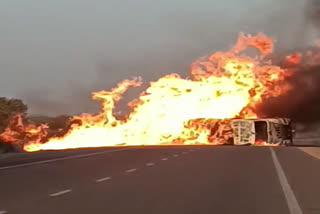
point(302, 102)
point(313, 12)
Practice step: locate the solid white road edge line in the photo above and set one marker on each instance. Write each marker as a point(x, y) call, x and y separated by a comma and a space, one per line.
point(60, 193)
point(292, 202)
point(103, 179)
point(60, 159)
point(131, 170)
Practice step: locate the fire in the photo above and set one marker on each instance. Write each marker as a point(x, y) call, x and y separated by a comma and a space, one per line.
point(260, 143)
point(14, 128)
point(174, 110)
point(293, 59)
point(17, 132)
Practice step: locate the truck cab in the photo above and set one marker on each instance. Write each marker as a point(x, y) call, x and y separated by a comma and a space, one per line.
point(274, 131)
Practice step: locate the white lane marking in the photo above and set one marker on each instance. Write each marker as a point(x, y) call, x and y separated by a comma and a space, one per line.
point(60, 193)
point(292, 202)
point(191, 150)
point(103, 179)
point(3, 211)
point(164, 159)
point(184, 152)
point(60, 159)
point(149, 164)
point(175, 156)
point(131, 170)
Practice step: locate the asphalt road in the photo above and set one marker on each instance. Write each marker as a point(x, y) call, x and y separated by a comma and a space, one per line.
point(154, 180)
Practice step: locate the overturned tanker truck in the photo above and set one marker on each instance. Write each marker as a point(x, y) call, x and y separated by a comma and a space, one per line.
point(267, 132)
point(271, 131)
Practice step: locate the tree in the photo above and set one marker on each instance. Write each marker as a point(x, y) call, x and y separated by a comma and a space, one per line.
point(59, 122)
point(8, 108)
point(55, 123)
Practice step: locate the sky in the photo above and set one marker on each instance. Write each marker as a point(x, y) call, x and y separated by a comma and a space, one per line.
point(53, 54)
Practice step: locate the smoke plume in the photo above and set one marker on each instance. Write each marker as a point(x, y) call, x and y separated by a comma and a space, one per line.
point(302, 102)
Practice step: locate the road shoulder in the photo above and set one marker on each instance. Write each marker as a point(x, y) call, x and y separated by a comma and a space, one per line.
point(312, 151)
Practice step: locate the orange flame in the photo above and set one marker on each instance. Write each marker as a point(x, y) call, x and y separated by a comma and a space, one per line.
point(223, 85)
point(13, 130)
point(260, 143)
point(18, 133)
point(293, 59)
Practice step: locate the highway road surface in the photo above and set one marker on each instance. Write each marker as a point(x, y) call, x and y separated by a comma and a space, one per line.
point(162, 180)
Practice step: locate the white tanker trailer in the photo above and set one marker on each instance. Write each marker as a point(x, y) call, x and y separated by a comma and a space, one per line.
point(271, 131)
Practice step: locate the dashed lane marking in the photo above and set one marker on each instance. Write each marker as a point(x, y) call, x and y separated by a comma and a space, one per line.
point(149, 164)
point(103, 179)
point(60, 193)
point(131, 170)
point(3, 211)
point(292, 202)
point(164, 159)
point(175, 156)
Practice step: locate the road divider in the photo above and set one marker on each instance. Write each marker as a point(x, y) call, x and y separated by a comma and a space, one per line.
point(61, 159)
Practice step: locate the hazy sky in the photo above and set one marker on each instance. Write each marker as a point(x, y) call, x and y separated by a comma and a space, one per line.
point(53, 53)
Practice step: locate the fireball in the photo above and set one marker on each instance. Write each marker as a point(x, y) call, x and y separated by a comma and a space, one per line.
point(174, 110)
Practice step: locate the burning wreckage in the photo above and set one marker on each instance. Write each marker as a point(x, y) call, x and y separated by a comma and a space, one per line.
point(216, 105)
point(268, 131)
point(260, 132)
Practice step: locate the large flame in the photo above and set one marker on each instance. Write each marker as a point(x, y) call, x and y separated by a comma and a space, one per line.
point(17, 132)
point(174, 110)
